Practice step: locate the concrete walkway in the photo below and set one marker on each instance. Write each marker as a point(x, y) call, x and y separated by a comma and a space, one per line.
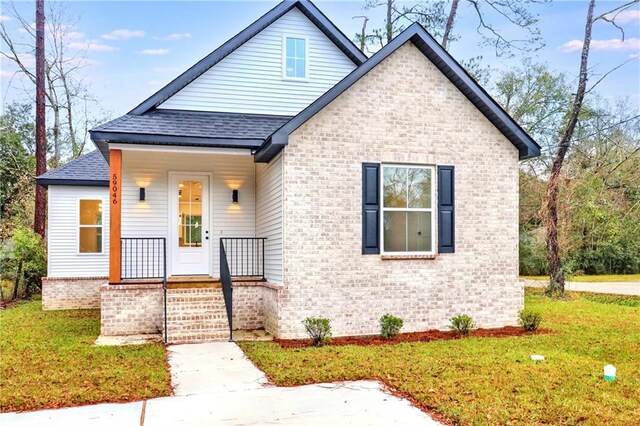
point(630, 288)
point(215, 384)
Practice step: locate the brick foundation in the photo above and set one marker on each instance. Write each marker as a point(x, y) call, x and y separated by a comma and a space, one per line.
point(131, 309)
point(71, 293)
point(193, 314)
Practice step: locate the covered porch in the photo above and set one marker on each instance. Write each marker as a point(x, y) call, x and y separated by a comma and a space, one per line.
point(195, 232)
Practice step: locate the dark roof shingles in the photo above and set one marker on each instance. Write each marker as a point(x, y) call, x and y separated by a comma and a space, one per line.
point(90, 168)
point(216, 125)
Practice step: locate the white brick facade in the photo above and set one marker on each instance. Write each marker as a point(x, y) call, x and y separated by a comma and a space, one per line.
point(403, 111)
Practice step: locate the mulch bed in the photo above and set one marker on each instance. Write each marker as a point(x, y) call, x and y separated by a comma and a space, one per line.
point(420, 336)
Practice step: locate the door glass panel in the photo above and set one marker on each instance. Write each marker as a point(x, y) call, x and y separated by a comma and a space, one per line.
point(190, 213)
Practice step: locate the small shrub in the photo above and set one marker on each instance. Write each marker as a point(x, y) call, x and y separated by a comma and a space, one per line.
point(462, 324)
point(530, 321)
point(319, 329)
point(390, 326)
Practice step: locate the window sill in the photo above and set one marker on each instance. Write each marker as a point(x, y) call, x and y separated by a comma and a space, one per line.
point(408, 256)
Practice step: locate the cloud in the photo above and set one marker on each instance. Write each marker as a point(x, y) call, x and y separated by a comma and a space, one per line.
point(625, 17)
point(612, 45)
point(123, 34)
point(6, 74)
point(174, 37)
point(5, 18)
point(634, 56)
point(92, 46)
point(154, 83)
point(154, 52)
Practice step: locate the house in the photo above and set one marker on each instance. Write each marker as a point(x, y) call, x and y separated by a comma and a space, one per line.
point(287, 175)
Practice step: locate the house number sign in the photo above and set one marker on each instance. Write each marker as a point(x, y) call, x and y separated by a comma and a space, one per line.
point(114, 189)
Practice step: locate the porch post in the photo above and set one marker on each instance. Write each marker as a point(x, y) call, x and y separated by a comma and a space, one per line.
point(115, 197)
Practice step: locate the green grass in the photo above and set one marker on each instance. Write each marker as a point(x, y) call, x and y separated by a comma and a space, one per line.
point(590, 278)
point(47, 360)
point(492, 380)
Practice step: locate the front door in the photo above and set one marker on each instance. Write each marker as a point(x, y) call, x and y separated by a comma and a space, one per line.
point(189, 221)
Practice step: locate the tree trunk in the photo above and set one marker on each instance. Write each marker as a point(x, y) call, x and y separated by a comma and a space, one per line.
point(363, 35)
point(41, 146)
point(449, 26)
point(17, 280)
point(389, 21)
point(556, 272)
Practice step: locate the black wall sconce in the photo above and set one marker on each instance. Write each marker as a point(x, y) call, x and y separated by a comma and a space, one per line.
point(234, 196)
point(142, 194)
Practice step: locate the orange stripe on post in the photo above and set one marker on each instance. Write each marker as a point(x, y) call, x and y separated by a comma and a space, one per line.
point(115, 210)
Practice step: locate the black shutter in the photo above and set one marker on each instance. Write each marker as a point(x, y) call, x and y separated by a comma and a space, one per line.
point(446, 210)
point(370, 208)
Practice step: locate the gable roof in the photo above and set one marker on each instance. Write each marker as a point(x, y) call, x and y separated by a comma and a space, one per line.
point(305, 6)
point(415, 33)
point(88, 170)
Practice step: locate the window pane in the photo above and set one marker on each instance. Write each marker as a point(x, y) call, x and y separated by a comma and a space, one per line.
point(291, 47)
point(419, 182)
point(395, 231)
point(291, 68)
point(300, 70)
point(395, 187)
point(300, 48)
point(418, 231)
point(90, 212)
point(190, 210)
point(91, 240)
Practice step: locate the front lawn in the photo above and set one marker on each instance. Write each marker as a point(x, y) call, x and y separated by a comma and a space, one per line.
point(492, 380)
point(47, 360)
point(589, 278)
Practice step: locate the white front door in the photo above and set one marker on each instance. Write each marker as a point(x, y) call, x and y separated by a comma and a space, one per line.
point(190, 251)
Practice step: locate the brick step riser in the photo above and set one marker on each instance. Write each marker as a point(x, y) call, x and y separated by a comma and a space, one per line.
point(196, 315)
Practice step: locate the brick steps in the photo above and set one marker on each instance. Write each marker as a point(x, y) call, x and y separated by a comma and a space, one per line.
point(196, 314)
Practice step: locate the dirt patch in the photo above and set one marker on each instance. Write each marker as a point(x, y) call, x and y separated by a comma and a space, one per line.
point(420, 336)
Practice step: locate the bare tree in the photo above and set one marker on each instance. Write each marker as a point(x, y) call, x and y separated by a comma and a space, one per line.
point(489, 15)
point(556, 271)
point(66, 95)
point(41, 144)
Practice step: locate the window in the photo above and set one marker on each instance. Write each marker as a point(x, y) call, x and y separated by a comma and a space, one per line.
point(295, 57)
point(407, 209)
point(190, 209)
point(90, 233)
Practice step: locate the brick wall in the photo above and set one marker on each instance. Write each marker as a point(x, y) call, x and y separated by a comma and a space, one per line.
point(71, 293)
point(402, 111)
point(131, 309)
point(193, 314)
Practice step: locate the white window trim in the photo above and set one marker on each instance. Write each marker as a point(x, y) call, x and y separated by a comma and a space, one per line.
point(432, 210)
point(284, 57)
point(79, 226)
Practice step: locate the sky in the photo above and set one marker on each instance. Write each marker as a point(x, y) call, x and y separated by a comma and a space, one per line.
point(134, 48)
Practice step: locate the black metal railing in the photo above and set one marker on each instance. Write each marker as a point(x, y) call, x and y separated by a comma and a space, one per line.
point(227, 287)
point(145, 258)
point(245, 256)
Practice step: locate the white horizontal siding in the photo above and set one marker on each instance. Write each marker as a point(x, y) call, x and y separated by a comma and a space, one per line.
point(64, 260)
point(249, 80)
point(151, 217)
point(269, 215)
